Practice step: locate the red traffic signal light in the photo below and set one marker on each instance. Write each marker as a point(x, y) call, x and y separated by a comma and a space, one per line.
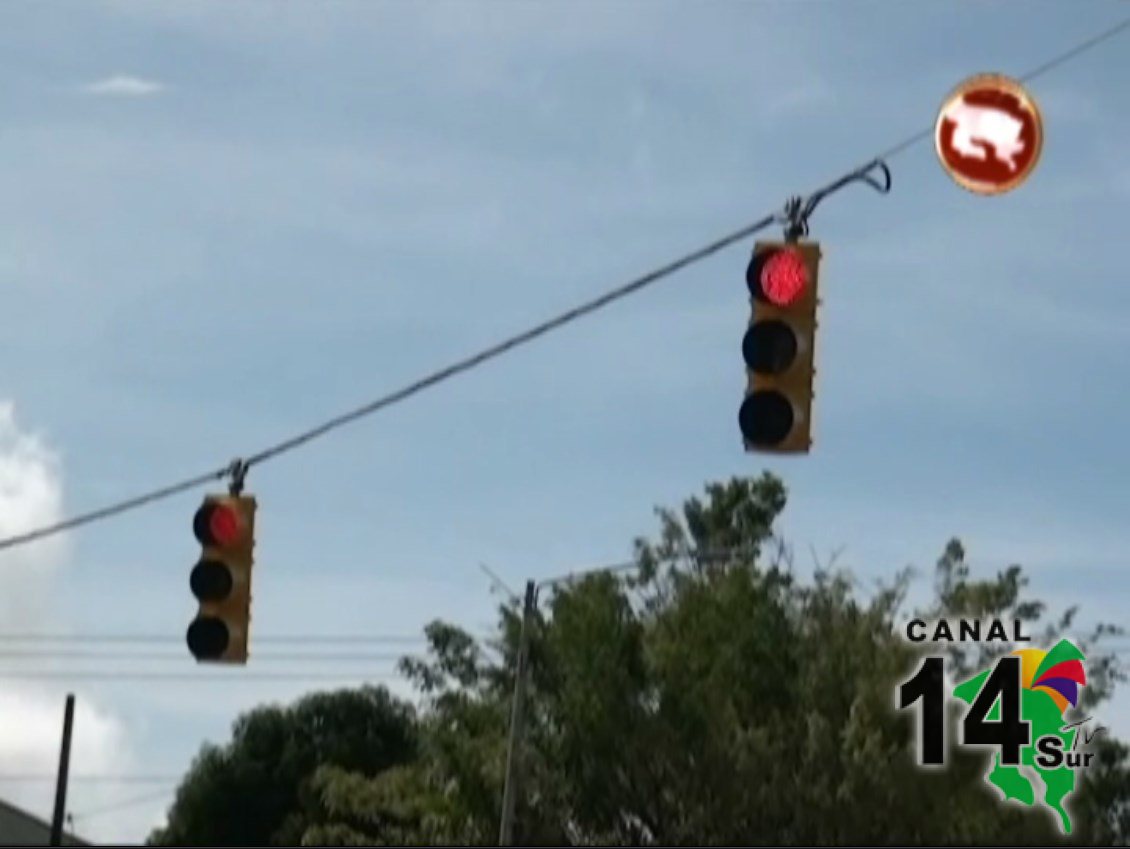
point(778, 276)
point(221, 579)
point(217, 524)
point(778, 347)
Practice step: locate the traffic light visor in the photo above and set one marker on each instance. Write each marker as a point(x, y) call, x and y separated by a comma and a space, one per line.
point(216, 524)
point(778, 276)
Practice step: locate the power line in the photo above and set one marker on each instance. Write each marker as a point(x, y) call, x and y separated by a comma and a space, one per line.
point(147, 660)
point(115, 509)
point(324, 639)
point(293, 657)
point(403, 393)
point(237, 467)
point(130, 802)
point(514, 341)
point(236, 676)
point(1078, 49)
point(101, 779)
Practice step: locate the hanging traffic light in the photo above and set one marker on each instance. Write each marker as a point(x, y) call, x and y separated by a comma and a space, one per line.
point(779, 347)
point(221, 580)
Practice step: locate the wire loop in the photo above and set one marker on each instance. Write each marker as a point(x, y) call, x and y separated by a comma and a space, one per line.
point(798, 210)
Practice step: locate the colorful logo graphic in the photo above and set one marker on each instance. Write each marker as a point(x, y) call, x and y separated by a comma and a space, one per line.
point(1050, 681)
point(1059, 673)
point(1016, 707)
point(989, 134)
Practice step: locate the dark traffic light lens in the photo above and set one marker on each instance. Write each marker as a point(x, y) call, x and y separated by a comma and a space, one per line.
point(210, 581)
point(769, 347)
point(778, 276)
point(216, 524)
point(766, 418)
point(207, 638)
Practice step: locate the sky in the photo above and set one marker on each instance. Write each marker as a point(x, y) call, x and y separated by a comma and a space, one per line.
point(223, 223)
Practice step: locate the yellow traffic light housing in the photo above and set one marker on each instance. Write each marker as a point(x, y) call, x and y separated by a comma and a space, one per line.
point(221, 580)
point(779, 347)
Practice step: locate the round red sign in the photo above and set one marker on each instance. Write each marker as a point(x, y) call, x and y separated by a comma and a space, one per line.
point(989, 134)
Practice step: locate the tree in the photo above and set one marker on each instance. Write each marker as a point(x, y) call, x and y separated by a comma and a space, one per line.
point(451, 793)
point(715, 698)
point(258, 789)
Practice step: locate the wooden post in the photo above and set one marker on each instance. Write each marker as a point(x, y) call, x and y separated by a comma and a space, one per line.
point(64, 771)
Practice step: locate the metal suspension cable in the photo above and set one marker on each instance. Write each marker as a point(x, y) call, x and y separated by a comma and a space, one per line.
point(39, 655)
point(123, 804)
point(108, 778)
point(235, 677)
point(323, 639)
point(238, 467)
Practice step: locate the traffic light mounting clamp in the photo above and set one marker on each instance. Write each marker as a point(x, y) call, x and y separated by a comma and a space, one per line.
point(238, 471)
point(795, 220)
point(798, 210)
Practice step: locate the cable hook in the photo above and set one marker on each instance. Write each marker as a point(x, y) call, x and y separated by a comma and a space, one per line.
point(238, 471)
point(798, 210)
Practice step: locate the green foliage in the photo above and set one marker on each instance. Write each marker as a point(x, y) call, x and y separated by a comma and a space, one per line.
point(256, 790)
point(713, 698)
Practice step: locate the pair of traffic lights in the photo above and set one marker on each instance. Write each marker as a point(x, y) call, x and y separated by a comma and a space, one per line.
point(779, 347)
point(221, 580)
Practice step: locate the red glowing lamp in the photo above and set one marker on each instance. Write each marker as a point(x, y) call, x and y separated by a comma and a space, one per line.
point(217, 524)
point(784, 277)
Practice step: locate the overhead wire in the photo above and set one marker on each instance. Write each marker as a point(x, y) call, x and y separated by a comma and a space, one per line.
point(123, 804)
point(287, 657)
point(17, 647)
point(108, 778)
point(239, 467)
point(1028, 76)
point(400, 394)
point(157, 659)
point(234, 676)
point(354, 670)
point(325, 639)
point(20, 639)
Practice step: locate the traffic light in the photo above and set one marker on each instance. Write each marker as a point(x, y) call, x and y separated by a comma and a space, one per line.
point(221, 580)
point(779, 346)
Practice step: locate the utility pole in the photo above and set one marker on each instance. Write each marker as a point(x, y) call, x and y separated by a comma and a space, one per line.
point(64, 771)
point(518, 706)
point(517, 724)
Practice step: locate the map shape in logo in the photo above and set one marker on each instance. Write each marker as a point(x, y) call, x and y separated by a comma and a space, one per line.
point(1051, 680)
point(989, 134)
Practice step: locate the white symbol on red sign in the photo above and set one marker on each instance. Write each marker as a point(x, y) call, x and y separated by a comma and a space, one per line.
point(989, 134)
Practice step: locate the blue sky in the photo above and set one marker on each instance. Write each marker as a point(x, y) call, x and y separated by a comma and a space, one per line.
point(293, 208)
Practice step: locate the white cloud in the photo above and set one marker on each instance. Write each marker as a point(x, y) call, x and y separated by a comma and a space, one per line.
point(123, 85)
point(806, 97)
point(31, 722)
point(31, 716)
point(30, 496)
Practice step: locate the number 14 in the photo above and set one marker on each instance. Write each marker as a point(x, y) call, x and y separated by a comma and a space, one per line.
point(1010, 733)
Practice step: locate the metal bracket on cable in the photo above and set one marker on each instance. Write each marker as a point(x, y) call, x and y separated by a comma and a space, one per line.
point(797, 209)
point(238, 471)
